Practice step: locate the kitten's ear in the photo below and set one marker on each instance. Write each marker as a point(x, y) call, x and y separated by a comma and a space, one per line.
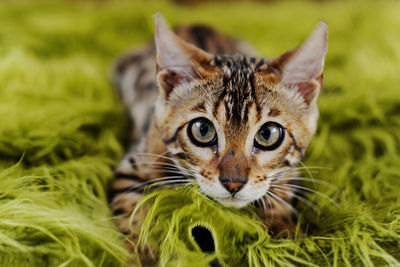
point(177, 60)
point(303, 66)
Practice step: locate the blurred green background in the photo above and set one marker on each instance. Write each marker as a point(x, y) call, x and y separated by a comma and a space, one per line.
point(62, 130)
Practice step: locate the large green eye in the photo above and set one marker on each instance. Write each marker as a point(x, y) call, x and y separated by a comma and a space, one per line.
point(269, 137)
point(202, 132)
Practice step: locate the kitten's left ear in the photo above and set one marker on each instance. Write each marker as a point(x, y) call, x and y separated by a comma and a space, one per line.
point(303, 67)
point(177, 60)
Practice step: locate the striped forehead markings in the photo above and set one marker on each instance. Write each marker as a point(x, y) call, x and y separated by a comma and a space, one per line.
point(238, 86)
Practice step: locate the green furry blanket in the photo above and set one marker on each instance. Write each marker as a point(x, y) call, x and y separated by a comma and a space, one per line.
point(62, 131)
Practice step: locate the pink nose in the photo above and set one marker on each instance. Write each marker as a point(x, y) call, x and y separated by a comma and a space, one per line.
point(233, 185)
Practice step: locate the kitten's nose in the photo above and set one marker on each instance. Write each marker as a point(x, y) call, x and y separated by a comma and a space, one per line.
point(233, 185)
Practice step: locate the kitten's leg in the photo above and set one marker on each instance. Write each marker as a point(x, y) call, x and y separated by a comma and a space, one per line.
point(127, 191)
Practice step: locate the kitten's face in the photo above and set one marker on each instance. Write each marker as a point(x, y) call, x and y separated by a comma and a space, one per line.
point(236, 121)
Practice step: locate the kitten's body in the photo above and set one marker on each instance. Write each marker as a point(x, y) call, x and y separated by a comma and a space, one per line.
point(234, 91)
point(135, 79)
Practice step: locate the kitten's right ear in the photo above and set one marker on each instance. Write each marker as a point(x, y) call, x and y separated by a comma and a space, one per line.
point(302, 67)
point(177, 60)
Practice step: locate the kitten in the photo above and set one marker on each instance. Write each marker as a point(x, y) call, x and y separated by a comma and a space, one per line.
point(205, 109)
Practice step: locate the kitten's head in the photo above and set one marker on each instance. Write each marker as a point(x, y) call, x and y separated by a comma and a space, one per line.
point(237, 121)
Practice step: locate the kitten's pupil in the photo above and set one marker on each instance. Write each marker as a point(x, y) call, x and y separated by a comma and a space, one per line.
point(266, 133)
point(203, 129)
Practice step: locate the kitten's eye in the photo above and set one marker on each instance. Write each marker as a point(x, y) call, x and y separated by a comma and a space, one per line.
point(269, 137)
point(202, 132)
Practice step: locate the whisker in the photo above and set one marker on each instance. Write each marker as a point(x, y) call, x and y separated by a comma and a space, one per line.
point(162, 154)
point(156, 163)
point(306, 201)
point(182, 171)
point(173, 181)
point(167, 172)
point(154, 155)
point(166, 167)
point(187, 169)
point(281, 173)
point(172, 185)
point(269, 201)
point(160, 168)
point(307, 189)
point(263, 203)
point(207, 92)
point(307, 169)
point(311, 167)
point(286, 174)
point(169, 183)
point(287, 171)
point(160, 179)
point(175, 163)
point(150, 163)
point(164, 157)
point(318, 181)
point(201, 86)
point(290, 207)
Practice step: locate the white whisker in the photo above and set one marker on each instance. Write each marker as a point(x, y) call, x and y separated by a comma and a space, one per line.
point(306, 201)
point(306, 189)
point(269, 201)
point(156, 158)
point(263, 203)
point(155, 180)
point(154, 155)
point(315, 180)
point(207, 92)
point(311, 167)
point(141, 163)
point(166, 171)
point(173, 181)
point(187, 170)
point(285, 203)
point(307, 169)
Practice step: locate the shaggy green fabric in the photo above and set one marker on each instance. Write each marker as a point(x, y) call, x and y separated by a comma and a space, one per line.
point(62, 131)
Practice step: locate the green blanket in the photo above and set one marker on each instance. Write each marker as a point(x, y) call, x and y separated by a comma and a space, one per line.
point(62, 132)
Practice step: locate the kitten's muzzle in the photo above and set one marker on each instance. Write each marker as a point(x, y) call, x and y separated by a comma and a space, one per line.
point(233, 171)
point(233, 185)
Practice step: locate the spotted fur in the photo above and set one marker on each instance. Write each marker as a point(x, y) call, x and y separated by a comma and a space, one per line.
point(198, 72)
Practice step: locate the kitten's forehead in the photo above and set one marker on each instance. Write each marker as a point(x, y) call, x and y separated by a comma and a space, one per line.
point(253, 83)
point(237, 92)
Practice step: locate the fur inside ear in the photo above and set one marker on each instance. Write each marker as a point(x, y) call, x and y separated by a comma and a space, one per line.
point(304, 66)
point(177, 60)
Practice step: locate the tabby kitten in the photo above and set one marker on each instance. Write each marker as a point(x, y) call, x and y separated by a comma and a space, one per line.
point(206, 110)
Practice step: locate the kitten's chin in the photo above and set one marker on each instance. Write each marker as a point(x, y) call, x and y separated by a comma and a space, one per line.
point(232, 202)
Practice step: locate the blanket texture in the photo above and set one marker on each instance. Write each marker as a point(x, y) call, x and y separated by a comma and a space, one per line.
point(62, 132)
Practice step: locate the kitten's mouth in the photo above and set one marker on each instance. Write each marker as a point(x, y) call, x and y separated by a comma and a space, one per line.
point(232, 202)
point(223, 198)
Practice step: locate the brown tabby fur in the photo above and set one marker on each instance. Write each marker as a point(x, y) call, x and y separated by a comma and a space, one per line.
point(237, 92)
